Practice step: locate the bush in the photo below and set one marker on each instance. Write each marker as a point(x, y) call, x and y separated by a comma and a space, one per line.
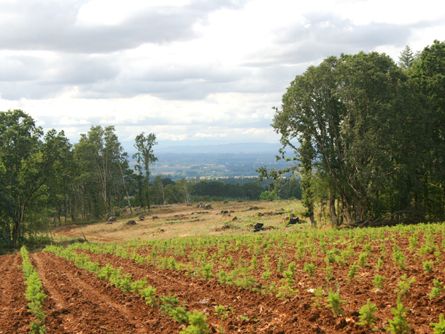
point(367, 314)
point(334, 302)
point(269, 196)
point(398, 324)
point(439, 327)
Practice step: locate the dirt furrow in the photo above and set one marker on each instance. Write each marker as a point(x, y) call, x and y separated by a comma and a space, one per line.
point(81, 303)
point(14, 317)
point(251, 312)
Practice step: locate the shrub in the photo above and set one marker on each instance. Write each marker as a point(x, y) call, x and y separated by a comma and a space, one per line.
point(378, 281)
point(404, 285)
point(269, 196)
point(335, 302)
point(427, 266)
point(439, 327)
point(352, 271)
point(197, 324)
point(222, 311)
point(318, 296)
point(367, 314)
point(309, 268)
point(436, 290)
point(398, 324)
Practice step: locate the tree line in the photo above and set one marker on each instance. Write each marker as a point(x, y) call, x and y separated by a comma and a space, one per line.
point(44, 177)
point(47, 181)
point(368, 135)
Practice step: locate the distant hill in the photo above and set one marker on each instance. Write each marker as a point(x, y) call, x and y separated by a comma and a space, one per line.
point(231, 148)
point(185, 160)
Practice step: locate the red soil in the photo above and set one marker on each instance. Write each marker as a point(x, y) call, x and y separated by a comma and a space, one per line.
point(266, 314)
point(421, 311)
point(78, 302)
point(14, 317)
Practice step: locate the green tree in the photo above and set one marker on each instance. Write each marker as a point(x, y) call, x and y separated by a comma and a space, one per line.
point(61, 173)
point(406, 58)
point(23, 173)
point(343, 121)
point(427, 74)
point(145, 157)
point(100, 164)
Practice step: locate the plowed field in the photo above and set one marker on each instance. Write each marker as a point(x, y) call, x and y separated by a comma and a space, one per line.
point(271, 282)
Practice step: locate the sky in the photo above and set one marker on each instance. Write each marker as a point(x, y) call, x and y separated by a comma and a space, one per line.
point(191, 71)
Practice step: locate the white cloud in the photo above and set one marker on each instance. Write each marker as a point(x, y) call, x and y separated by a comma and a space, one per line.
point(187, 69)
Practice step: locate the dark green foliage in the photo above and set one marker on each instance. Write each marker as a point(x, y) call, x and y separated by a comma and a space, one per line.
point(350, 122)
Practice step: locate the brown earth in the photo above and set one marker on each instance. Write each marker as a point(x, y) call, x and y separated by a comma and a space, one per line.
point(265, 313)
point(14, 316)
point(421, 311)
point(181, 220)
point(78, 302)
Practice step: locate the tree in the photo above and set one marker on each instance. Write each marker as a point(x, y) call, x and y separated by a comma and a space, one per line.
point(406, 58)
point(60, 181)
point(342, 119)
point(100, 180)
point(24, 170)
point(145, 157)
point(427, 74)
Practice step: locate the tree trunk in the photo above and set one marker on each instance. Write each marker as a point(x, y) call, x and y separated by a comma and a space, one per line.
point(332, 211)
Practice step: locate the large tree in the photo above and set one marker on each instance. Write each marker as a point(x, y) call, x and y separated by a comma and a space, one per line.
point(342, 119)
point(144, 158)
point(24, 169)
point(427, 75)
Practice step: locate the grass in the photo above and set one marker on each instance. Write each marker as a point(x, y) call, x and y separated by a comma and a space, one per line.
point(189, 221)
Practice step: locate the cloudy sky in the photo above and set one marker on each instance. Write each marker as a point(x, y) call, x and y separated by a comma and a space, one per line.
point(188, 70)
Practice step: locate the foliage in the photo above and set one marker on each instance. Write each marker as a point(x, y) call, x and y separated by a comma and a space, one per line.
point(34, 293)
point(350, 121)
point(222, 311)
point(404, 285)
point(196, 321)
point(334, 302)
point(367, 314)
point(398, 324)
point(378, 281)
point(197, 324)
point(144, 158)
point(439, 327)
point(269, 196)
point(437, 289)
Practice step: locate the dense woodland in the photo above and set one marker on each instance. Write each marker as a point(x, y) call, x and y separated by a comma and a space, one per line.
point(369, 135)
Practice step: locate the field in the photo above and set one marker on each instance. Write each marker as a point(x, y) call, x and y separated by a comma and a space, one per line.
point(207, 272)
point(180, 220)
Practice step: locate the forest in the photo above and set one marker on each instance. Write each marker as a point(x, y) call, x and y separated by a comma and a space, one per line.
point(369, 136)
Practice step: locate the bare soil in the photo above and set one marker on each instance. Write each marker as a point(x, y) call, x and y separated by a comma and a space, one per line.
point(80, 303)
point(265, 313)
point(14, 316)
